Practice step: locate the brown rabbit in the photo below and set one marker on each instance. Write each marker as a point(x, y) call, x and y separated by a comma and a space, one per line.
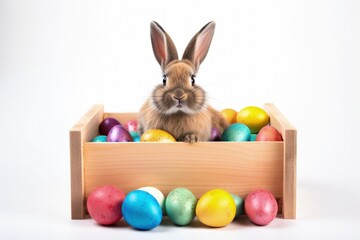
point(179, 105)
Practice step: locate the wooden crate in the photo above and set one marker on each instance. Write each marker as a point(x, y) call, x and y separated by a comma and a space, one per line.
point(238, 167)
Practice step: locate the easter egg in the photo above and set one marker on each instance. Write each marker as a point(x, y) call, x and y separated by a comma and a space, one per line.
point(180, 206)
point(157, 194)
point(100, 138)
point(107, 124)
point(229, 115)
point(239, 203)
point(135, 136)
point(141, 210)
point(269, 133)
point(253, 137)
point(215, 134)
point(131, 126)
point(216, 208)
point(253, 117)
point(104, 204)
point(157, 135)
point(236, 132)
point(119, 134)
point(261, 207)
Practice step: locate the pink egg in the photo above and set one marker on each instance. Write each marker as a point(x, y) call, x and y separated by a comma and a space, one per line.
point(119, 134)
point(131, 126)
point(261, 207)
point(104, 204)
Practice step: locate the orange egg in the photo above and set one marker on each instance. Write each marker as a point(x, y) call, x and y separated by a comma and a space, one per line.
point(229, 115)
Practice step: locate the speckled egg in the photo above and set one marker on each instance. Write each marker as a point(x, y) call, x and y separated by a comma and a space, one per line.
point(141, 210)
point(119, 134)
point(236, 132)
point(216, 208)
point(132, 125)
point(253, 117)
point(157, 135)
point(180, 206)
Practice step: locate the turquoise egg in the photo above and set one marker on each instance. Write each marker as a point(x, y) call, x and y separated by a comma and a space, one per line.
point(141, 210)
point(100, 138)
point(253, 137)
point(236, 132)
point(180, 206)
point(136, 136)
point(239, 203)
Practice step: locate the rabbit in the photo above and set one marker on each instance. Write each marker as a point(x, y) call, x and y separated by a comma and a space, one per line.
point(178, 105)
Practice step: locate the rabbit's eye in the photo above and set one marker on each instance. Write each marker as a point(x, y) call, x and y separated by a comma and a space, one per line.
point(193, 80)
point(164, 79)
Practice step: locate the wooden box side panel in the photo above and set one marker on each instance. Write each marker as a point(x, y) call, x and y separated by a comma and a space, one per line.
point(235, 167)
point(289, 133)
point(81, 132)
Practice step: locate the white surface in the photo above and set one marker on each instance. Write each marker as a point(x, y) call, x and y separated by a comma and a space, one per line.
point(57, 58)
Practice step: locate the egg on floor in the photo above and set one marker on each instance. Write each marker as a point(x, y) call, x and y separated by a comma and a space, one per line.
point(180, 206)
point(141, 210)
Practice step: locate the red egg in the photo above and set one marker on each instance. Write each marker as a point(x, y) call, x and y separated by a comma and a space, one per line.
point(261, 207)
point(131, 126)
point(107, 124)
point(119, 134)
point(104, 204)
point(268, 133)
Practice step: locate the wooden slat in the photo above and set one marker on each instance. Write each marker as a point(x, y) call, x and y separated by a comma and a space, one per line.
point(235, 167)
point(289, 133)
point(81, 132)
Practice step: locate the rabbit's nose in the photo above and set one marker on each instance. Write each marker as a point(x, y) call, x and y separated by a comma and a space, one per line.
point(179, 94)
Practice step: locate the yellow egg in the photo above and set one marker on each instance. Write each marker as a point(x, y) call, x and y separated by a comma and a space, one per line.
point(157, 135)
point(229, 115)
point(216, 208)
point(253, 117)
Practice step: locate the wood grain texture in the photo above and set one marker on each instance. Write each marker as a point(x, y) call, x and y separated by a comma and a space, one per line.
point(81, 132)
point(289, 133)
point(235, 167)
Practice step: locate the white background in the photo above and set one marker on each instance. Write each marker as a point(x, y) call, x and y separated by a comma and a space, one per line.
point(57, 58)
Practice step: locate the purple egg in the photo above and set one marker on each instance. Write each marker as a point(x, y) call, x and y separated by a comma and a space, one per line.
point(215, 135)
point(107, 124)
point(119, 134)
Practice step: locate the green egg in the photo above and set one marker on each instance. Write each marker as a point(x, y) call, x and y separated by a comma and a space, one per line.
point(100, 138)
point(239, 203)
point(180, 206)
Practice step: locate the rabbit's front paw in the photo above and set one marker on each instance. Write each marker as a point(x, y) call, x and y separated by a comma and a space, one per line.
point(189, 138)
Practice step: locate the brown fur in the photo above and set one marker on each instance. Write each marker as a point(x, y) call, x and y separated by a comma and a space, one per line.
point(179, 107)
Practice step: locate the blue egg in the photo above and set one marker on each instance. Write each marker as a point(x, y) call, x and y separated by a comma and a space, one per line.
point(141, 210)
point(100, 138)
point(236, 132)
point(135, 136)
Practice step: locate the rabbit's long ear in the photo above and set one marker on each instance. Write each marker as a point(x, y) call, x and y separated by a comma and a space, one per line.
point(163, 46)
point(199, 45)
